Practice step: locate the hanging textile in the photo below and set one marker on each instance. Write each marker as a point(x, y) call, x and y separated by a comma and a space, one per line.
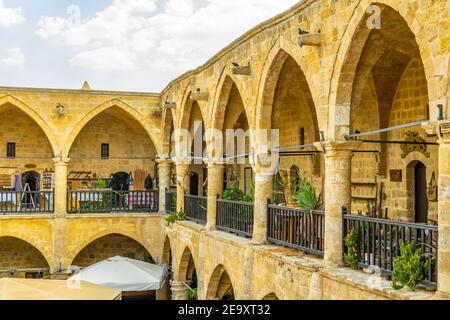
point(18, 182)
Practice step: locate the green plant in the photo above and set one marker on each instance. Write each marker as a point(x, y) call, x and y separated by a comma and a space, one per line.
point(193, 294)
point(306, 197)
point(233, 194)
point(410, 267)
point(370, 205)
point(174, 217)
point(101, 184)
point(350, 241)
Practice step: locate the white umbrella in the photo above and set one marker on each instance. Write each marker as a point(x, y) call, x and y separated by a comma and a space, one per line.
point(124, 274)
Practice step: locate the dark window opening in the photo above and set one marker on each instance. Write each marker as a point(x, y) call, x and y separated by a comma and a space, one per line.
point(302, 136)
point(11, 150)
point(105, 151)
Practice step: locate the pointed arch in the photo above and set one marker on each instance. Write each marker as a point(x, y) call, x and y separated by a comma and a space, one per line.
point(138, 117)
point(222, 97)
point(186, 108)
point(348, 57)
point(168, 125)
point(166, 255)
point(187, 264)
point(35, 116)
point(219, 284)
point(280, 52)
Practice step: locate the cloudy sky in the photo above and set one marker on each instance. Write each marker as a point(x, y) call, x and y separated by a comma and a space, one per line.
point(137, 45)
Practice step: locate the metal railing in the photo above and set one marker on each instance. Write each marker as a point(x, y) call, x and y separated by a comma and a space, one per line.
point(195, 208)
point(379, 242)
point(235, 217)
point(108, 201)
point(26, 202)
point(298, 229)
point(171, 201)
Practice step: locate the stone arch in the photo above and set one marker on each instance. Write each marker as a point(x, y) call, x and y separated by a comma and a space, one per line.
point(168, 124)
point(186, 109)
point(219, 284)
point(280, 51)
point(166, 255)
point(186, 264)
point(43, 251)
point(270, 296)
point(223, 90)
point(138, 117)
point(35, 116)
point(348, 56)
point(78, 248)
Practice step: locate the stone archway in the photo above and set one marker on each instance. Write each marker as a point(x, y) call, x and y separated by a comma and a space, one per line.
point(23, 257)
point(109, 246)
point(270, 296)
point(220, 286)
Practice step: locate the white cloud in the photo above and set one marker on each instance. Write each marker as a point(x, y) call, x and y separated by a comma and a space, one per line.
point(134, 35)
point(14, 58)
point(9, 16)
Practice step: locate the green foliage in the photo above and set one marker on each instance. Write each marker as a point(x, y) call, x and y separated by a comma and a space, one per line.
point(101, 184)
point(236, 194)
point(370, 205)
point(233, 194)
point(306, 197)
point(193, 294)
point(351, 257)
point(174, 217)
point(108, 200)
point(410, 267)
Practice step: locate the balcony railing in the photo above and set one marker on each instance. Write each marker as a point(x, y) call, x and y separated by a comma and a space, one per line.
point(26, 202)
point(379, 242)
point(195, 208)
point(235, 217)
point(171, 201)
point(108, 201)
point(298, 229)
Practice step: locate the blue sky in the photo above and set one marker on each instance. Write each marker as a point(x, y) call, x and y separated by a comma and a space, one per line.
point(135, 45)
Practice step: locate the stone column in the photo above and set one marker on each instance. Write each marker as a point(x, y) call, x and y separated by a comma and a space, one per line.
point(263, 193)
point(442, 130)
point(60, 207)
point(182, 184)
point(164, 167)
point(338, 174)
point(60, 185)
point(179, 290)
point(215, 187)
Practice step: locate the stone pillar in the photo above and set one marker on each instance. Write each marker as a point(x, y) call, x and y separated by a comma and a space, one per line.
point(215, 187)
point(263, 193)
point(164, 167)
point(338, 189)
point(60, 207)
point(182, 184)
point(60, 185)
point(179, 290)
point(442, 130)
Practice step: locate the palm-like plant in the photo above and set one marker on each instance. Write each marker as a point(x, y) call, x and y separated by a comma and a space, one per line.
point(306, 197)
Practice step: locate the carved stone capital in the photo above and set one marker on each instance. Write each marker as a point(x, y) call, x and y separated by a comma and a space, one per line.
point(438, 128)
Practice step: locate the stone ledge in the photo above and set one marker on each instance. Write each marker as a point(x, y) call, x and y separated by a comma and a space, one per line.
point(27, 217)
point(291, 256)
point(360, 280)
point(112, 215)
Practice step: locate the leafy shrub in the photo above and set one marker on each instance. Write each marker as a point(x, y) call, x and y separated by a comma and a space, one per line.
point(351, 257)
point(410, 267)
point(174, 217)
point(233, 194)
point(101, 184)
point(193, 294)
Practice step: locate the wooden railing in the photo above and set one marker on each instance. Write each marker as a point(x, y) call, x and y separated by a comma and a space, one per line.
point(379, 242)
point(108, 201)
point(195, 208)
point(171, 201)
point(235, 217)
point(26, 202)
point(297, 229)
